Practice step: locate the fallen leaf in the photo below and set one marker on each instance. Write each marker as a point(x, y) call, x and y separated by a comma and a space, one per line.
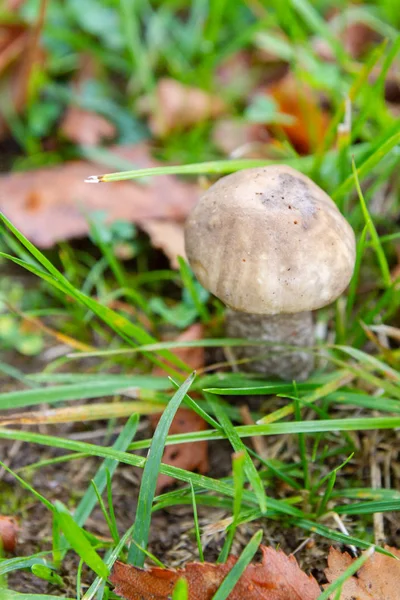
point(49, 205)
point(82, 126)
point(177, 107)
point(86, 128)
point(277, 577)
point(377, 579)
point(192, 457)
point(168, 236)
point(237, 138)
point(13, 41)
point(301, 102)
point(8, 533)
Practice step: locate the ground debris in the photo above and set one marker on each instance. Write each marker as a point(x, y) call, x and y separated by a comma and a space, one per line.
point(277, 577)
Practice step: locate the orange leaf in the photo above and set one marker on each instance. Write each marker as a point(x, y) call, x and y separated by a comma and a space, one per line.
point(301, 102)
point(277, 577)
point(378, 578)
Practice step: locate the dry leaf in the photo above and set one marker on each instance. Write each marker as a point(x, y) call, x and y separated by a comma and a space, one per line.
point(8, 533)
point(178, 106)
point(191, 457)
point(236, 138)
point(86, 128)
point(277, 577)
point(83, 126)
point(49, 205)
point(13, 41)
point(168, 236)
point(301, 102)
point(378, 578)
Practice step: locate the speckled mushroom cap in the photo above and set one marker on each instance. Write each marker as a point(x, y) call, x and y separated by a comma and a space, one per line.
point(268, 240)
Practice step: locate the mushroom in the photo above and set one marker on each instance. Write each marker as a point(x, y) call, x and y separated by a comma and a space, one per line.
point(273, 247)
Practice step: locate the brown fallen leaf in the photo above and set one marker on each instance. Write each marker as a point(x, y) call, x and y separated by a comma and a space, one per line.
point(236, 138)
point(277, 577)
point(13, 41)
point(86, 128)
point(49, 205)
point(301, 102)
point(192, 457)
point(177, 107)
point(378, 578)
point(8, 533)
point(83, 126)
point(168, 236)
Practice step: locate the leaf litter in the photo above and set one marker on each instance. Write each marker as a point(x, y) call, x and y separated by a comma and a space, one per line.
point(50, 205)
point(277, 577)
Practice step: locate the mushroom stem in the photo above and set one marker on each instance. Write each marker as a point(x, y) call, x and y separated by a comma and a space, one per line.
point(279, 331)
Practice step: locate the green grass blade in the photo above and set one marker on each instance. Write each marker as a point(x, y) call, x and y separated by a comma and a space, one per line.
point(237, 444)
point(353, 568)
point(79, 542)
point(89, 500)
point(238, 568)
point(376, 244)
point(150, 474)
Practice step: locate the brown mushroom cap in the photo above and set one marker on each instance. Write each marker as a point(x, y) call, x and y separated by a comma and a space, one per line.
point(269, 240)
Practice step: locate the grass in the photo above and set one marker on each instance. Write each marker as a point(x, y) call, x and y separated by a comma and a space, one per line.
point(72, 297)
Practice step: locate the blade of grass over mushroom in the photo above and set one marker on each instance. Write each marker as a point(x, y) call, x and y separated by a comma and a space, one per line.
point(123, 326)
point(212, 167)
point(238, 568)
point(149, 480)
point(238, 446)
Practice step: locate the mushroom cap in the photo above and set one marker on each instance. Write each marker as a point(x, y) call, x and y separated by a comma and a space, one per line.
point(268, 240)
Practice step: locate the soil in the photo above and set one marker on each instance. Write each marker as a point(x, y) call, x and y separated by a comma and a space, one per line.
point(172, 537)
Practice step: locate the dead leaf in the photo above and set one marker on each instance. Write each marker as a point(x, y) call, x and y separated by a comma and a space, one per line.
point(49, 205)
point(177, 107)
point(168, 236)
point(194, 456)
point(237, 138)
point(301, 102)
point(277, 577)
point(378, 578)
point(86, 128)
point(83, 126)
point(8, 533)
